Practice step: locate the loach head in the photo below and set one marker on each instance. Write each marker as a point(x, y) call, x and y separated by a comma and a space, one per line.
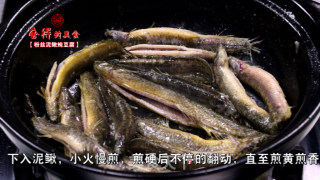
point(236, 65)
point(222, 57)
point(117, 35)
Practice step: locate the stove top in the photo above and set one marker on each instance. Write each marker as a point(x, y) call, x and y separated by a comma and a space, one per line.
point(310, 144)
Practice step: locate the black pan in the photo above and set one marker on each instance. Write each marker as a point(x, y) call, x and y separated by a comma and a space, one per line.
point(279, 24)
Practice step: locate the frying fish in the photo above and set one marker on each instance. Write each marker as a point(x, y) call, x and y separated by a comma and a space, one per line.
point(158, 50)
point(60, 75)
point(94, 117)
point(230, 85)
point(200, 115)
point(190, 142)
point(186, 68)
point(78, 142)
point(75, 140)
point(266, 85)
point(173, 36)
point(70, 113)
point(120, 114)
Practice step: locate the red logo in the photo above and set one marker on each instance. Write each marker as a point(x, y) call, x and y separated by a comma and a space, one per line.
point(57, 20)
point(62, 39)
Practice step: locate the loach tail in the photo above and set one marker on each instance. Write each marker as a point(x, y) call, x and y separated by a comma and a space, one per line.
point(254, 42)
point(41, 93)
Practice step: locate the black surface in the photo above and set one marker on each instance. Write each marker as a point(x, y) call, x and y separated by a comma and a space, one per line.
point(6, 147)
point(289, 171)
point(311, 143)
point(312, 7)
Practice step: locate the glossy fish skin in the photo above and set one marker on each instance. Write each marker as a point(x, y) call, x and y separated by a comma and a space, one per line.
point(155, 50)
point(75, 140)
point(230, 85)
point(190, 142)
point(155, 138)
point(155, 106)
point(208, 97)
point(219, 102)
point(144, 145)
point(202, 116)
point(94, 117)
point(61, 74)
point(266, 85)
point(173, 36)
point(78, 142)
point(195, 79)
point(174, 66)
point(70, 113)
point(120, 113)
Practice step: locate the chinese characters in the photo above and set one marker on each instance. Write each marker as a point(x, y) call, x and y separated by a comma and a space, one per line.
point(47, 34)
